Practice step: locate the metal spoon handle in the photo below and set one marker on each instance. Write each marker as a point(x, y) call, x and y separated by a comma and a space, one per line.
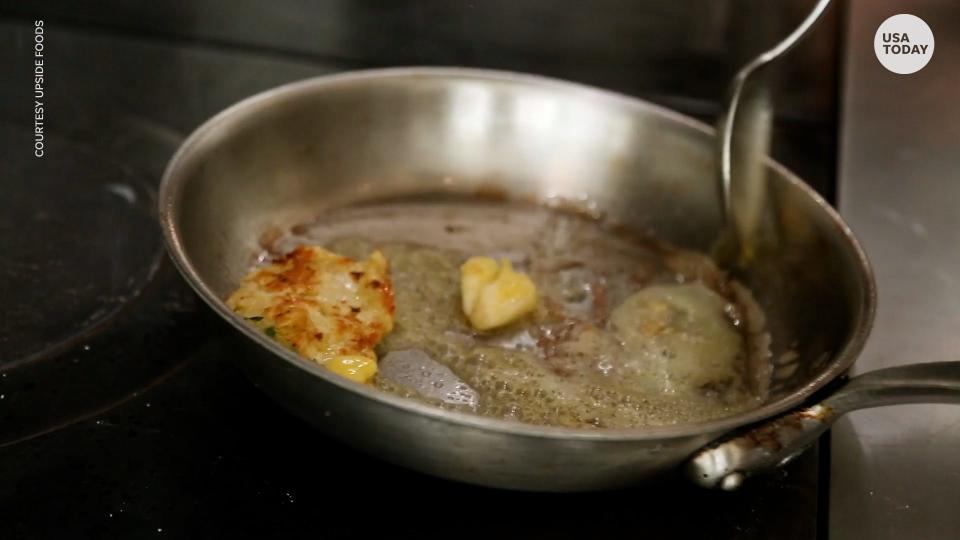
point(744, 140)
point(727, 462)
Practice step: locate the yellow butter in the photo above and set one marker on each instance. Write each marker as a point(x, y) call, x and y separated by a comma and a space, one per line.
point(353, 366)
point(493, 294)
point(475, 274)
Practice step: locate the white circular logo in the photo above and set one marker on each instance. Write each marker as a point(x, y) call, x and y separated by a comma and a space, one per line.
point(904, 44)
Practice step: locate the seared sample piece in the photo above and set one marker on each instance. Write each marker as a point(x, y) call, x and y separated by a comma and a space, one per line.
point(329, 308)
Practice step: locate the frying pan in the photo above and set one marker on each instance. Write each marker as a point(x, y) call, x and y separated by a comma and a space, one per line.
point(284, 156)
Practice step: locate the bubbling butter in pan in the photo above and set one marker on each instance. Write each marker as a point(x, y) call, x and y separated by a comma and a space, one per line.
point(621, 331)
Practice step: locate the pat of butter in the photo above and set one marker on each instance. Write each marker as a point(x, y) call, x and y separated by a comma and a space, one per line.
point(353, 366)
point(493, 294)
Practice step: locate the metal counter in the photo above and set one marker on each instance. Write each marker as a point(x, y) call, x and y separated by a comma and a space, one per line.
point(896, 471)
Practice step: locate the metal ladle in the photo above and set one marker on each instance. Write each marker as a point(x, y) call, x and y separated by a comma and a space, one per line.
point(744, 140)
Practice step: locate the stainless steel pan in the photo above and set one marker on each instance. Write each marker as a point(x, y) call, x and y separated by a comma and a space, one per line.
point(282, 157)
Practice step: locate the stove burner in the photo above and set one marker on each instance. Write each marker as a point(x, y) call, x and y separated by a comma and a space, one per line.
point(93, 310)
point(79, 243)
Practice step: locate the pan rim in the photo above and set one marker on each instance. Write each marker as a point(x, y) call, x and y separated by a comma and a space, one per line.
point(171, 185)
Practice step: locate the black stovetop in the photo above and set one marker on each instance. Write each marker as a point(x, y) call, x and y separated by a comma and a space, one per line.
point(121, 415)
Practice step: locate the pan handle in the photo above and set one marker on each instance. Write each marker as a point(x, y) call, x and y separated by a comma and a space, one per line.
point(727, 462)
